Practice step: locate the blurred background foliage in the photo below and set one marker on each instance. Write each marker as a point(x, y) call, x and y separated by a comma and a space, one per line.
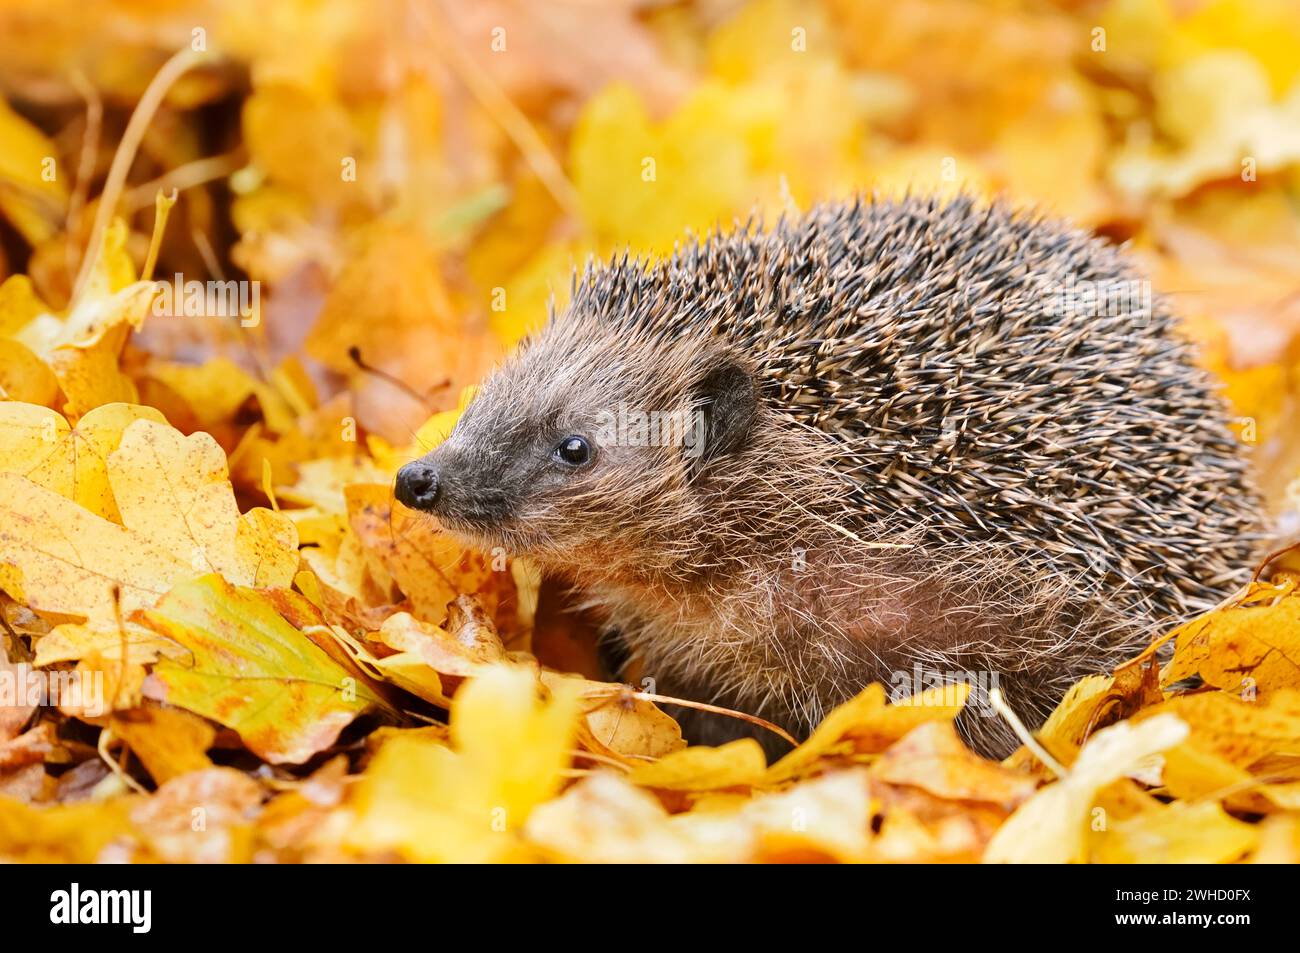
point(415, 178)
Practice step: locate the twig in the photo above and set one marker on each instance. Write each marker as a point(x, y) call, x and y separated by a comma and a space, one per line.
point(171, 71)
point(1029, 741)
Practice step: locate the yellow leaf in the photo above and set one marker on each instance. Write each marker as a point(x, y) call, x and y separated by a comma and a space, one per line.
point(543, 279)
point(175, 489)
point(106, 686)
point(867, 725)
point(430, 567)
point(65, 833)
point(72, 461)
point(420, 799)
point(510, 736)
point(1279, 841)
point(320, 482)
point(168, 741)
point(699, 768)
point(298, 138)
point(1267, 30)
point(828, 817)
point(1239, 732)
point(433, 803)
point(390, 300)
point(83, 347)
point(1051, 827)
point(407, 670)
point(931, 757)
point(644, 183)
point(34, 442)
point(253, 672)
point(429, 435)
point(19, 304)
point(604, 819)
point(1216, 108)
point(65, 562)
point(32, 194)
point(166, 821)
point(214, 390)
point(476, 652)
point(1178, 833)
point(266, 550)
point(619, 725)
point(90, 375)
point(1193, 773)
point(1252, 649)
point(24, 376)
point(439, 426)
point(1052, 155)
point(72, 641)
point(927, 170)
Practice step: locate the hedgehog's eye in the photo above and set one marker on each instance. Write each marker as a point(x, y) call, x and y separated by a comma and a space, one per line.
point(574, 450)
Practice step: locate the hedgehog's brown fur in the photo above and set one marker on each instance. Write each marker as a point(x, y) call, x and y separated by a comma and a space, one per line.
point(937, 472)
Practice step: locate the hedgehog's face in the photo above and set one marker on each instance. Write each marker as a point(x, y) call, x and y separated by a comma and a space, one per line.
point(585, 456)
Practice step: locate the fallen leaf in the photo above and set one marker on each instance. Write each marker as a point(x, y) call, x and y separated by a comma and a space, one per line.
point(866, 724)
point(31, 197)
point(253, 672)
point(31, 747)
point(1180, 833)
point(38, 443)
point(71, 565)
point(16, 703)
point(1051, 827)
point(168, 741)
point(739, 763)
point(1238, 731)
point(430, 802)
point(202, 817)
point(932, 757)
point(617, 724)
point(175, 489)
point(429, 567)
point(72, 833)
point(1249, 649)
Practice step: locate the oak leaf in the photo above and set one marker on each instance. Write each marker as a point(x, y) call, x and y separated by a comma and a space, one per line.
point(175, 489)
point(70, 565)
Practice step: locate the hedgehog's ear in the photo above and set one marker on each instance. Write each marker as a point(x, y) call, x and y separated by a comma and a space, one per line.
point(727, 398)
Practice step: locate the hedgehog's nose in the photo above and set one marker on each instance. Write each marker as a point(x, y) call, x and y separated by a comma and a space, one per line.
point(417, 485)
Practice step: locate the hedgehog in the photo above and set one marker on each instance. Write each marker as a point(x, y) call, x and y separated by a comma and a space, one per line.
point(912, 441)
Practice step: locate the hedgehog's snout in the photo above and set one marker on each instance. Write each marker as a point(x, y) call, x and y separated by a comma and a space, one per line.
point(417, 485)
point(451, 485)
